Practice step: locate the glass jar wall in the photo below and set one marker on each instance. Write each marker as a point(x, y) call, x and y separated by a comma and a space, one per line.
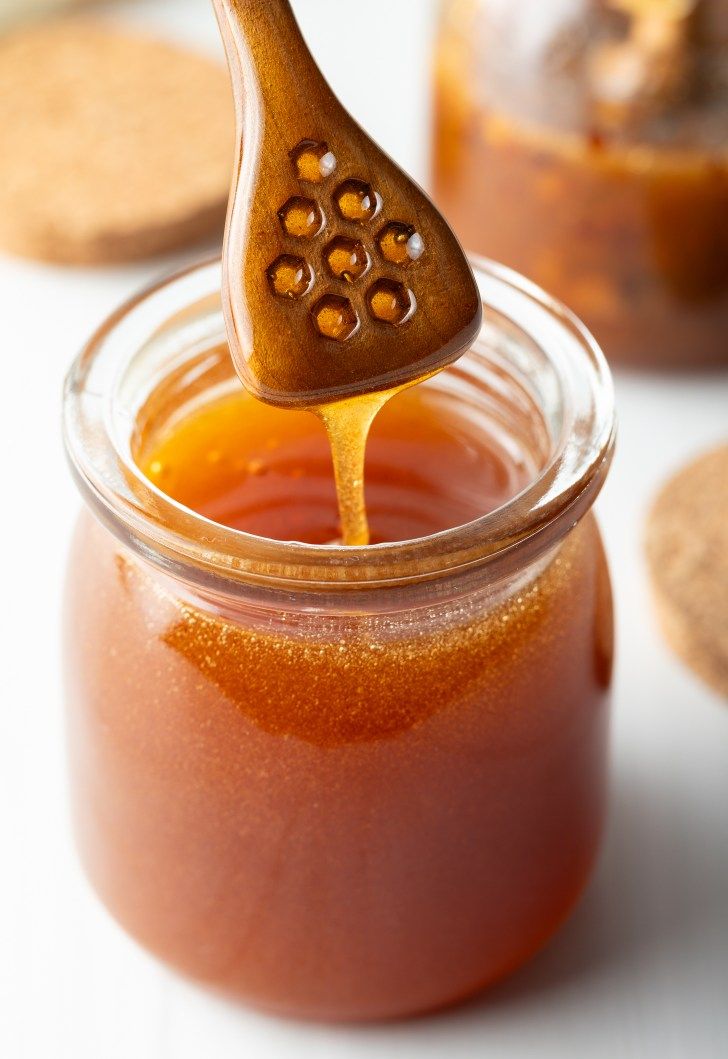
point(339, 783)
point(585, 143)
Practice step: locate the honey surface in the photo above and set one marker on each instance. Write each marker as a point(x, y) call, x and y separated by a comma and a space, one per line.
point(269, 471)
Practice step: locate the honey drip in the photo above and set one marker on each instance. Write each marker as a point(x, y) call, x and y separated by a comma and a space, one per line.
point(347, 425)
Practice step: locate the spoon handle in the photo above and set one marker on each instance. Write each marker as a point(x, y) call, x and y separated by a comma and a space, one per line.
point(273, 73)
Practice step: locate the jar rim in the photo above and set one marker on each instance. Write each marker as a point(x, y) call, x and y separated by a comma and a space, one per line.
point(209, 555)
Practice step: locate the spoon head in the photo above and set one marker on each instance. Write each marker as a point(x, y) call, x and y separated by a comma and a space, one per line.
point(341, 276)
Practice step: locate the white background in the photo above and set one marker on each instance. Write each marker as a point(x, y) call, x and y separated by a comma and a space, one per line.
point(642, 968)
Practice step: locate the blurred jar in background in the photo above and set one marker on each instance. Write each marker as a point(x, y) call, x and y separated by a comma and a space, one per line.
point(585, 143)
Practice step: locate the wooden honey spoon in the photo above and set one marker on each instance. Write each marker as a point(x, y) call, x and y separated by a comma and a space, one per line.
point(341, 277)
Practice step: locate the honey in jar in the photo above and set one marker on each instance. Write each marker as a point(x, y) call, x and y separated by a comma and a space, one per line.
point(586, 146)
point(340, 783)
point(268, 471)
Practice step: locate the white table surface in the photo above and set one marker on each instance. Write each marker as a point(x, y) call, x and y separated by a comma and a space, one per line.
point(641, 970)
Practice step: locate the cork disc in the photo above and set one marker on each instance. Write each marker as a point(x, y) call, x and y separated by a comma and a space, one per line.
point(114, 146)
point(687, 551)
point(12, 10)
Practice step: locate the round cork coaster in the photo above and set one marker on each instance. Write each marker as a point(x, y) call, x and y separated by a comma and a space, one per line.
point(114, 146)
point(687, 551)
point(15, 10)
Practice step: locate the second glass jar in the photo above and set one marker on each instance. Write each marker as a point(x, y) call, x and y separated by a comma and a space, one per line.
point(585, 143)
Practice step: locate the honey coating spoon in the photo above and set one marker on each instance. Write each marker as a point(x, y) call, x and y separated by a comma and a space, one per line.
point(340, 276)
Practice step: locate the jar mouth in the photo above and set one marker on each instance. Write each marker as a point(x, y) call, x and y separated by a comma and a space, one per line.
point(525, 332)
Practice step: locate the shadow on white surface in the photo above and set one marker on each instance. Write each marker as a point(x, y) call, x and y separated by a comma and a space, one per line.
point(623, 917)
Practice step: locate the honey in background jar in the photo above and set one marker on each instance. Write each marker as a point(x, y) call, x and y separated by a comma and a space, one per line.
point(588, 149)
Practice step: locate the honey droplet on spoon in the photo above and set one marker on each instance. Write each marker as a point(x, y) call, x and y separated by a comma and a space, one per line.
point(391, 302)
point(335, 317)
point(301, 218)
point(347, 259)
point(290, 277)
point(401, 244)
point(357, 201)
point(313, 161)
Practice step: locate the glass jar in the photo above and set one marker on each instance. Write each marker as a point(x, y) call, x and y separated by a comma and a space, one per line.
point(339, 783)
point(585, 143)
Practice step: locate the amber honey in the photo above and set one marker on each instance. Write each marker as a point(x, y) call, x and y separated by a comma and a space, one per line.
point(269, 471)
point(374, 816)
point(331, 782)
point(617, 206)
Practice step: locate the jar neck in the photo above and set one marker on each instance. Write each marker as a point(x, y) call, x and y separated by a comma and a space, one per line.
point(417, 603)
point(533, 366)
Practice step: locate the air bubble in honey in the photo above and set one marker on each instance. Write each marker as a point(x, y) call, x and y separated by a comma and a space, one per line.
point(301, 218)
point(313, 161)
point(347, 259)
point(357, 201)
point(401, 244)
point(290, 277)
point(335, 317)
point(391, 302)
